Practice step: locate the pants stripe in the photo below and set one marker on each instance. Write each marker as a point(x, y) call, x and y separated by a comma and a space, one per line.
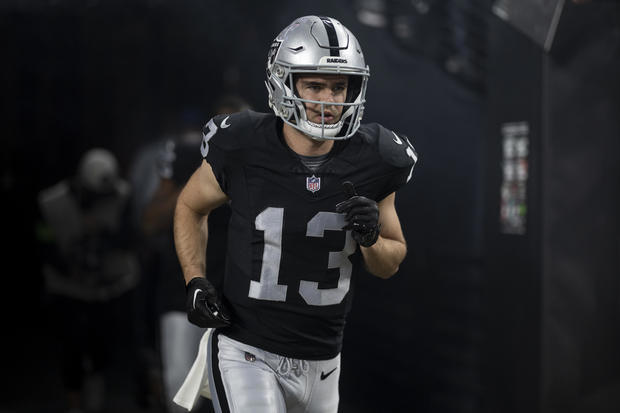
point(218, 393)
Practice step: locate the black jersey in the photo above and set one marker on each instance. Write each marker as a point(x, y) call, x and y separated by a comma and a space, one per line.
point(289, 262)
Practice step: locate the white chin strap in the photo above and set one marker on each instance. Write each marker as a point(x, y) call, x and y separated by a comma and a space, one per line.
point(315, 130)
point(321, 132)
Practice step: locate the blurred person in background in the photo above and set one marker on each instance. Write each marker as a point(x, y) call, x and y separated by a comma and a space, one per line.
point(179, 158)
point(89, 269)
point(153, 245)
point(152, 248)
point(307, 186)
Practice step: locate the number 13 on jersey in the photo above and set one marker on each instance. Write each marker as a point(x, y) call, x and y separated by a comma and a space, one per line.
point(271, 222)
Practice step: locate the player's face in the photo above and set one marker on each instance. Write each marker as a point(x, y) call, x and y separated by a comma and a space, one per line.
point(324, 88)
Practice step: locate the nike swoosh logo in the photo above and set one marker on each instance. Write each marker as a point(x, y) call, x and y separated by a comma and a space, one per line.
point(324, 376)
point(224, 125)
point(194, 301)
point(396, 139)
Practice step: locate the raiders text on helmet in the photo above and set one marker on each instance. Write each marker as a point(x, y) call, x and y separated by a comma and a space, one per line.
point(316, 45)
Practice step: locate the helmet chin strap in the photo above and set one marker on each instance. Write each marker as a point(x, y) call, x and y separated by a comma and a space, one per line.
point(317, 131)
point(328, 130)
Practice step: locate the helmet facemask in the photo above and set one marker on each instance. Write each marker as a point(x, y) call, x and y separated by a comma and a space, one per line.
point(350, 109)
point(293, 109)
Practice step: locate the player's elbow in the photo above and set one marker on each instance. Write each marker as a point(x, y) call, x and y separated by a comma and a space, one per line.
point(385, 272)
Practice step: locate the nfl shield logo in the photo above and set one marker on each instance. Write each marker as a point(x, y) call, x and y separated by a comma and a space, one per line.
point(313, 183)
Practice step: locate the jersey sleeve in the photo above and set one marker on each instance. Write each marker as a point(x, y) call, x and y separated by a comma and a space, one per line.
point(222, 147)
point(398, 157)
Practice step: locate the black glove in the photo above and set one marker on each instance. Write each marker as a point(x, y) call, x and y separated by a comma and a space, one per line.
point(362, 216)
point(204, 307)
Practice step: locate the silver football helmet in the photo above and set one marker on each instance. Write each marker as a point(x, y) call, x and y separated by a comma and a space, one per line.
point(316, 45)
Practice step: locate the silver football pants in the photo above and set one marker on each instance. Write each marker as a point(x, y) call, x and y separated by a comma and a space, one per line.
point(246, 379)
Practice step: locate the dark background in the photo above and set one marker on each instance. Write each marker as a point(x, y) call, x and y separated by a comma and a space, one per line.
point(476, 320)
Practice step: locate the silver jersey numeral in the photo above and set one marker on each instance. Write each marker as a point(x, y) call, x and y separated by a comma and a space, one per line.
point(204, 146)
point(408, 150)
point(309, 290)
point(271, 221)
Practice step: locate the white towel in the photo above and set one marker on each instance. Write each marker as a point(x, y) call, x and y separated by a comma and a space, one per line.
point(197, 381)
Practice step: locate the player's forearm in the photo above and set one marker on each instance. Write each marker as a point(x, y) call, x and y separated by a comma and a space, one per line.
point(383, 258)
point(190, 240)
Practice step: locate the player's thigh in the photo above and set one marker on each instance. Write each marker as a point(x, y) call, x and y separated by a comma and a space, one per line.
point(324, 395)
point(241, 384)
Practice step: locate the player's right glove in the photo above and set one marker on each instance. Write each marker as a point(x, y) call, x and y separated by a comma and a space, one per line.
point(204, 307)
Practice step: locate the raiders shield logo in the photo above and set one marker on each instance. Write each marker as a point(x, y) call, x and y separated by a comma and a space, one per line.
point(273, 51)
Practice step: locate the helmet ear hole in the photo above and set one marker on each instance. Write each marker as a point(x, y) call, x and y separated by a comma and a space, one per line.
point(354, 88)
point(293, 87)
point(300, 107)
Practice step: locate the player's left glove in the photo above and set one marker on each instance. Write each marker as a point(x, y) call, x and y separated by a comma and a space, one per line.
point(362, 215)
point(204, 307)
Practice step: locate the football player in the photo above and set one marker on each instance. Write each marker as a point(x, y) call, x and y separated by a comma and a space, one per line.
point(312, 195)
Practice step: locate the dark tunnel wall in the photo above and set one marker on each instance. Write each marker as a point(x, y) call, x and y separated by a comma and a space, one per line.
point(80, 75)
point(512, 261)
point(554, 330)
point(581, 244)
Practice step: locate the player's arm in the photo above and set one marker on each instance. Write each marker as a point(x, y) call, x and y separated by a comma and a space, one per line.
point(199, 197)
point(384, 256)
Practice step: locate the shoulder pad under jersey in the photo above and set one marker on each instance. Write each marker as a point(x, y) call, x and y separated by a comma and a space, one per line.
point(395, 149)
point(228, 132)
